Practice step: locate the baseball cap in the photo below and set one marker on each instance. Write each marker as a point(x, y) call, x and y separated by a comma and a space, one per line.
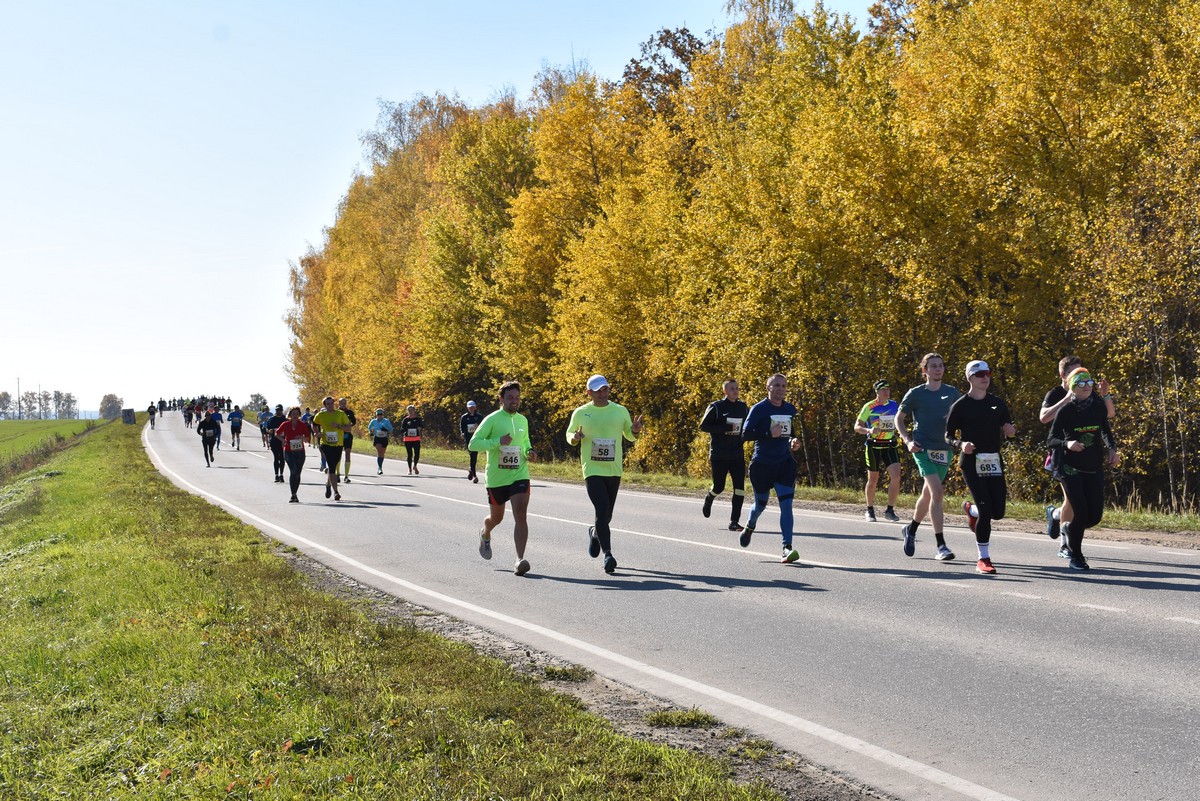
point(977, 366)
point(470, 404)
point(596, 382)
point(881, 384)
point(379, 411)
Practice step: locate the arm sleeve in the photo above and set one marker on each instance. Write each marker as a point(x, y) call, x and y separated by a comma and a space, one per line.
point(482, 439)
point(952, 421)
point(571, 426)
point(1057, 438)
point(628, 430)
point(711, 422)
point(756, 426)
point(1106, 433)
point(462, 428)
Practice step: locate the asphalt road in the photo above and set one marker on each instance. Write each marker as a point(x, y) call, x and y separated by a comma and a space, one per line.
point(919, 677)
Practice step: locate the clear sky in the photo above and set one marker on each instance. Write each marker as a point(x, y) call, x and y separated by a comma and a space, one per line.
point(161, 163)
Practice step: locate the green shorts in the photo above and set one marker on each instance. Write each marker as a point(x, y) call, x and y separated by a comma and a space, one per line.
point(926, 466)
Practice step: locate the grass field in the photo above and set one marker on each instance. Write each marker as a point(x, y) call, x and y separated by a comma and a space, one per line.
point(22, 436)
point(155, 647)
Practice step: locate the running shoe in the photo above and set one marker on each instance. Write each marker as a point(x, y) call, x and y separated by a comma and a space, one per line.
point(328, 490)
point(522, 567)
point(610, 564)
point(416, 471)
point(1052, 525)
point(944, 554)
point(294, 499)
point(910, 540)
point(346, 479)
point(379, 472)
point(410, 471)
point(474, 479)
point(485, 546)
point(870, 514)
point(593, 542)
point(744, 539)
point(890, 515)
point(707, 510)
point(1078, 563)
point(985, 566)
point(790, 555)
point(735, 525)
point(971, 519)
point(337, 496)
point(1064, 551)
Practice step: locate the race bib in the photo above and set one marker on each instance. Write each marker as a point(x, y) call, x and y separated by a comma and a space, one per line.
point(333, 437)
point(510, 457)
point(939, 457)
point(296, 444)
point(735, 426)
point(887, 422)
point(604, 450)
point(784, 421)
point(412, 432)
point(987, 465)
point(208, 434)
point(471, 428)
point(381, 434)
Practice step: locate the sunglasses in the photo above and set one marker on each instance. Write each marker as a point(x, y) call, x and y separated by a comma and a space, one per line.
point(1087, 382)
point(983, 373)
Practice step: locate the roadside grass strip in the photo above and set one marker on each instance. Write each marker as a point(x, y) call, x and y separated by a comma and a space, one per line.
point(155, 646)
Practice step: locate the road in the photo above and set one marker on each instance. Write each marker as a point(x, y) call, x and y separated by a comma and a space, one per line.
point(921, 678)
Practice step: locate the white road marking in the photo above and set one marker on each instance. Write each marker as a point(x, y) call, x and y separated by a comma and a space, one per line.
point(890, 758)
point(1193, 621)
point(1102, 608)
point(1023, 595)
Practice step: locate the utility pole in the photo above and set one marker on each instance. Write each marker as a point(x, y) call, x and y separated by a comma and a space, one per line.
point(18, 397)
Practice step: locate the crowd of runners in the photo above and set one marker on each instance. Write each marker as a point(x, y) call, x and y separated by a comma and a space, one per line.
point(931, 422)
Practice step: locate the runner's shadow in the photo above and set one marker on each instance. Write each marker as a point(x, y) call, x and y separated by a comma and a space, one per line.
point(684, 582)
point(1104, 573)
point(823, 535)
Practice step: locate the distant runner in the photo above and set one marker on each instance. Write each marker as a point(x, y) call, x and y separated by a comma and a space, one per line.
point(877, 420)
point(381, 433)
point(466, 426)
point(278, 458)
point(772, 466)
point(293, 435)
point(208, 431)
point(152, 411)
point(331, 424)
point(410, 431)
point(235, 427)
point(348, 440)
point(723, 422)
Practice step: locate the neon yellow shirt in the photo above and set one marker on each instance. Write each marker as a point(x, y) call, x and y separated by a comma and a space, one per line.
point(328, 421)
point(604, 429)
point(506, 464)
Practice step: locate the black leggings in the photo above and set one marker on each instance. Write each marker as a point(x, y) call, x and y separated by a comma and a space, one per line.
point(1085, 491)
point(474, 458)
point(412, 452)
point(277, 452)
point(991, 497)
point(602, 490)
point(295, 463)
point(208, 443)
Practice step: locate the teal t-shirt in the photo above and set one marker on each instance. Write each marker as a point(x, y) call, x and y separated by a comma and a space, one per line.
point(604, 429)
point(927, 410)
point(506, 464)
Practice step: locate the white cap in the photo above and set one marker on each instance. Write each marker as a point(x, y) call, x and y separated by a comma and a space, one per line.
point(596, 382)
point(470, 404)
point(977, 366)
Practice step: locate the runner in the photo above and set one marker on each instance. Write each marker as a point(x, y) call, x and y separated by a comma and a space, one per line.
point(772, 466)
point(278, 458)
point(208, 431)
point(235, 427)
point(1056, 399)
point(381, 431)
point(1079, 434)
point(331, 424)
point(264, 414)
point(466, 426)
point(599, 428)
point(218, 418)
point(348, 441)
point(504, 436)
point(187, 416)
point(928, 405)
point(410, 429)
point(877, 421)
point(982, 420)
point(152, 411)
point(723, 421)
point(293, 435)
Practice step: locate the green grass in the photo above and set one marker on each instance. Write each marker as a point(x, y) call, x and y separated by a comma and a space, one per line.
point(155, 647)
point(18, 437)
point(683, 719)
point(1130, 519)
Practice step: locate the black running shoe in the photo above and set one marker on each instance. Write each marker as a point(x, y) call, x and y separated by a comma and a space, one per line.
point(593, 542)
point(707, 510)
point(610, 564)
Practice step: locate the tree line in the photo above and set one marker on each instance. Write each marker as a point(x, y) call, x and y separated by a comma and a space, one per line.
point(1010, 180)
point(44, 405)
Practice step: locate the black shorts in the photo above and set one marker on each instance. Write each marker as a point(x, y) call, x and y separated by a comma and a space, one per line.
point(348, 442)
point(235, 429)
point(498, 496)
point(765, 477)
point(381, 441)
point(881, 457)
point(332, 454)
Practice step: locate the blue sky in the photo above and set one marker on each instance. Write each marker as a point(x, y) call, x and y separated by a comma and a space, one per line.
point(161, 163)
